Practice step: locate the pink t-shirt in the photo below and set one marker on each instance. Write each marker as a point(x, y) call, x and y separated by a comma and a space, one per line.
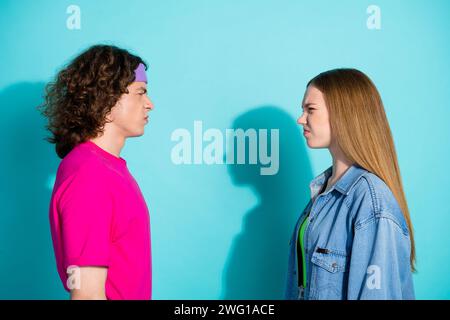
point(98, 217)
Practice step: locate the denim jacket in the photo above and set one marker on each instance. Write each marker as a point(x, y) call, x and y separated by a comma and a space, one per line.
point(357, 243)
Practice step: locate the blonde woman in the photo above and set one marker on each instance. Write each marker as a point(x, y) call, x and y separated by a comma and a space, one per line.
point(354, 240)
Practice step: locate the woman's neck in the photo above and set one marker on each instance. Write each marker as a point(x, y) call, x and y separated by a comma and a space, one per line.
point(340, 166)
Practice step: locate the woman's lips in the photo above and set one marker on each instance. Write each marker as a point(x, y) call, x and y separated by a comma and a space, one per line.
point(306, 132)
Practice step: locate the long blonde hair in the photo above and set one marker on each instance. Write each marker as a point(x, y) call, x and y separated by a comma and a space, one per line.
point(359, 124)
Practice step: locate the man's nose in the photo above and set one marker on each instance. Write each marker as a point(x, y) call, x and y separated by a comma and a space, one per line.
point(149, 104)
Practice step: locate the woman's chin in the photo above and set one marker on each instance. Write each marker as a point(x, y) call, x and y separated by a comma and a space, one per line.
point(315, 145)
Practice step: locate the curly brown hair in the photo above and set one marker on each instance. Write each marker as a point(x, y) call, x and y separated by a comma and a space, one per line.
point(84, 92)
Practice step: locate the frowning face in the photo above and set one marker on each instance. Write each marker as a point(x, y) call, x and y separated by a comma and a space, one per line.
point(130, 114)
point(315, 119)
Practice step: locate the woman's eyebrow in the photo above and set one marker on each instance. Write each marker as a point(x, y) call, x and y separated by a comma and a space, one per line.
point(306, 105)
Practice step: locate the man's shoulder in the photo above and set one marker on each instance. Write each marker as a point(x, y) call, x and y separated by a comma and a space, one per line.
point(83, 164)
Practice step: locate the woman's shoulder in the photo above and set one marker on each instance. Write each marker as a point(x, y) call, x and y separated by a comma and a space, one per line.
point(378, 201)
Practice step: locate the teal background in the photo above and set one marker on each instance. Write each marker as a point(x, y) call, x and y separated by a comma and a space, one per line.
point(218, 231)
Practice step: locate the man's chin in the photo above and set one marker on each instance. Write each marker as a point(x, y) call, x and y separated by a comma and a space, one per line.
point(136, 134)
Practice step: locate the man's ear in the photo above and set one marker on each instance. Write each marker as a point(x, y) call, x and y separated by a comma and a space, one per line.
point(109, 117)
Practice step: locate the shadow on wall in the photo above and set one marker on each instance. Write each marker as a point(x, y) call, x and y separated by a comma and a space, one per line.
point(27, 263)
point(257, 264)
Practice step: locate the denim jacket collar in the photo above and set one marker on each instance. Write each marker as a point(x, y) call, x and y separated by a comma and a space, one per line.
point(343, 185)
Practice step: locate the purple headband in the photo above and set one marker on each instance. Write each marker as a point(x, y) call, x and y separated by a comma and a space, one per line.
point(139, 73)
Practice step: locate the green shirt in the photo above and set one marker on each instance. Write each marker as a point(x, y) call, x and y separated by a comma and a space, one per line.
point(301, 237)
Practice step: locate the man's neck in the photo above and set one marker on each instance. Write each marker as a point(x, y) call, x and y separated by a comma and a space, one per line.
point(110, 143)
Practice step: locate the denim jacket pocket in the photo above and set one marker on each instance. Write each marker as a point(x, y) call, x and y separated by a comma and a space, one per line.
point(329, 273)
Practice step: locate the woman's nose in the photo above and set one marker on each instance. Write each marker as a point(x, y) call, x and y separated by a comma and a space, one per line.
point(301, 120)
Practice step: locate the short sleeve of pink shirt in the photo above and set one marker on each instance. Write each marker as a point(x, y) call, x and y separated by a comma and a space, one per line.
point(87, 209)
point(98, 217)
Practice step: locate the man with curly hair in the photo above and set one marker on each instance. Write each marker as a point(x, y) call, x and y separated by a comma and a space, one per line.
point(99, 219)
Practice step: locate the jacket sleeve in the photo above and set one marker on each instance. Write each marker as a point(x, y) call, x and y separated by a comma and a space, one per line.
point(380, 261)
